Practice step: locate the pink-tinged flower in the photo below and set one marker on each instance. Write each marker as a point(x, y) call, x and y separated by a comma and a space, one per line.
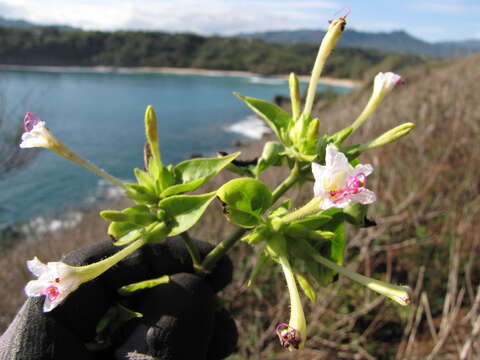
point(386, 82)
point(338, 183)
point(36, 133)
point(56, 281)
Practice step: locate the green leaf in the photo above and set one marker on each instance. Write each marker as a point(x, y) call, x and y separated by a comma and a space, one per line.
point(281, 209)
point(115, 317)
point(313, 222)
point(277, 118)
point(337, 244)
point(246, 199)
point(241, 170)
point(185, 210)
point(140, 194)
point(118, 216)
point(355, 214)
point(352, 151)
point(255, 236)
point(262, 261)
point(306, 286)
point(322, 275)
point(123, 230)
point(166, 178)
point(271, 156)
point(130, 289)
point(341, 136)
point(192, 174)
point(119, 229)
point(128, 237)
point(144, 179)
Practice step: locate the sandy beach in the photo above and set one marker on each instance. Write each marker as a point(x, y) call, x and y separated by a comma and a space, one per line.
point(172, 70)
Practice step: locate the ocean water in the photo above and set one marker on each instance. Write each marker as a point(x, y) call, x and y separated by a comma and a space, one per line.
point(100, 117)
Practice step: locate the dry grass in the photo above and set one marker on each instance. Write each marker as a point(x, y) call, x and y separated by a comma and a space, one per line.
point(427, 236)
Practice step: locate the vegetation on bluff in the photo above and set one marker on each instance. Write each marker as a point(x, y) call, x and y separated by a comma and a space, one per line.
point(58, 47)
point(426, 235)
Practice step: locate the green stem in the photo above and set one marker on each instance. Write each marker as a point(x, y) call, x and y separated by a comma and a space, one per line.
point(192, 249)
point(286, 184)
point(222, 248)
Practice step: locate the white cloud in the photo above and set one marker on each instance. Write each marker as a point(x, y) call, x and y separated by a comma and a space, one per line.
point(445, 6)
point(10, 10)
point(207, 16)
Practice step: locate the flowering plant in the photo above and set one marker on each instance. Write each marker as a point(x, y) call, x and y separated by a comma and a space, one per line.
point(308, 242)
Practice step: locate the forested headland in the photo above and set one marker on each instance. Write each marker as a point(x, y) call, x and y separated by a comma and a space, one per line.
point(51, 46)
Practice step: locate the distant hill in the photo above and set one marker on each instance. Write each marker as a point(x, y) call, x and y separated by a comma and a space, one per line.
point(58, 47)
point(22, 24)
point(4, 22)
point(396, 41)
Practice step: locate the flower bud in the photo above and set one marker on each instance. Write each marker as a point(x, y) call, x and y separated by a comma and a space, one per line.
point(383, 84)
point(329, 41)
point(294, 96)
point(388, 137)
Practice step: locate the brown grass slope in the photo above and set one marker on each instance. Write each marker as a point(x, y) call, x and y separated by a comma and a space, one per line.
point(428, 236)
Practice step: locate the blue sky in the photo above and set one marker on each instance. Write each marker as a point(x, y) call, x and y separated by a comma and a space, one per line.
point(432, 20)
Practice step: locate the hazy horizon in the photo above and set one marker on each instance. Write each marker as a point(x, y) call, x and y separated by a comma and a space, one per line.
point(428, 20)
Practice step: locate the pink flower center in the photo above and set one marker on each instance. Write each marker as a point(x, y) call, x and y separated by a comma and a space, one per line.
point(51, 292)
point(31, 119)
point(346, 10)
point(355, 184)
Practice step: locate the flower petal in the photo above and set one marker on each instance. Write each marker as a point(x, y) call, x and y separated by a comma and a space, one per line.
point(59, 269)
point(365, 169)
point(49, 305)
point(36, 266)
point(35, 287)
point(364, 197)
point(317, 171)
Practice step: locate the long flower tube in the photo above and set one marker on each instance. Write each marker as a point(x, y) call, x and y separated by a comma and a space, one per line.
point(57, 280)
point(399, 294)
point(38, 135)
point(334, 32)
point(292, 335)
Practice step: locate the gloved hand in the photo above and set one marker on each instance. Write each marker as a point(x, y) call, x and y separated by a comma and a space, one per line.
point(181, 319)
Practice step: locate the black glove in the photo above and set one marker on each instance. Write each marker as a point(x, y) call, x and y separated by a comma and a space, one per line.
point(181, 319)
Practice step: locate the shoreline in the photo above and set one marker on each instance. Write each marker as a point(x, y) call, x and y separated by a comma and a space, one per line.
point(350, 83)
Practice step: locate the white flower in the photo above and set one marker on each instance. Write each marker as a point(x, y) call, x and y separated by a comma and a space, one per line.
point(338, 183)
point(36, 133)
point(56, 281)
point(385, 82)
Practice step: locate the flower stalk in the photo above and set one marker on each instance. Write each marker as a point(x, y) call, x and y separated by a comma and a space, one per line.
point(38, 135)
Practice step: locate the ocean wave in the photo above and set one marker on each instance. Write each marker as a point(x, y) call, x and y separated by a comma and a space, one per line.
point(42, 225)
point(266, 80)
point(250, 127)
